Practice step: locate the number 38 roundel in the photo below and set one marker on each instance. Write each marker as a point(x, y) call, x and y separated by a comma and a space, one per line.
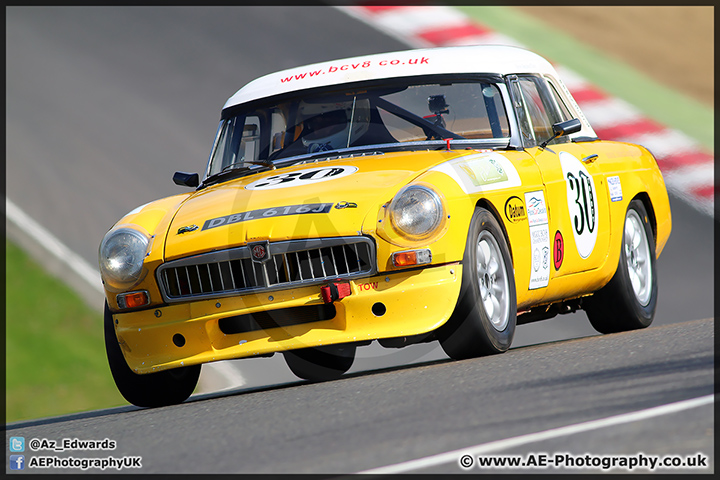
point(582, 203)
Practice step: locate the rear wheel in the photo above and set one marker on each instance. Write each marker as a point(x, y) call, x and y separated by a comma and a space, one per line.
point(483, 322)
point(151, 389)
point(321, 363)
point(629, 300)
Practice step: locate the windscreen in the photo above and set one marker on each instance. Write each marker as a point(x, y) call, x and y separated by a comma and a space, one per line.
point(379, 116)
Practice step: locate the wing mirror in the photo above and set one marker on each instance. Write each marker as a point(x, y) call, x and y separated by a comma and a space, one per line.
point(563, 128)
point(186, 179)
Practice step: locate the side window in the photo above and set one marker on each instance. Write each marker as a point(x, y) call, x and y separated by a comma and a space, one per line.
point(250, 143)
point(277, 130)
point(521, 113)
point(227, 144)
point(237, 141)
point(539, 115)
point(544, 107)
point(564, 111)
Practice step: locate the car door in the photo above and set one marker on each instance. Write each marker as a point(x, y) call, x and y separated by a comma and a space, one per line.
point(576, 198)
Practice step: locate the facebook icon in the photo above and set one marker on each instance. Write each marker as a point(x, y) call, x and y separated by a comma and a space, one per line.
point(17, 462)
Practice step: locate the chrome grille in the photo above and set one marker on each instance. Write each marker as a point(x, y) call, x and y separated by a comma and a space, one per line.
point(291, 263)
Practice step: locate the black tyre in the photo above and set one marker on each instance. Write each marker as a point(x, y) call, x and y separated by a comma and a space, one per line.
point(483, 322)
point(152, 389)
point(629, 300)
point(321, 363)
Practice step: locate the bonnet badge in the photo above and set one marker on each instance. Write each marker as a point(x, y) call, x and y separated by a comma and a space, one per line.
point(189, 228)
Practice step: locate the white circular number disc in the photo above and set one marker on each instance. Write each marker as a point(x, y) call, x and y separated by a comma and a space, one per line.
point(582, 203)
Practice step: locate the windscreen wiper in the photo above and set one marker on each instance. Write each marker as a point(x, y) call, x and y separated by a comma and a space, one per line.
point(232, 170)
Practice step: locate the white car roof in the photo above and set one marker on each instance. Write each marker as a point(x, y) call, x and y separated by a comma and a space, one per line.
point(494, 59)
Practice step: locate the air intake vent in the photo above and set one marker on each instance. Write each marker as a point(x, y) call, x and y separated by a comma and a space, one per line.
point(290, 264)
point(284, 317)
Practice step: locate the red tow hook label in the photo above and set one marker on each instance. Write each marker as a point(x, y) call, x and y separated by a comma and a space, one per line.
point(335, 291)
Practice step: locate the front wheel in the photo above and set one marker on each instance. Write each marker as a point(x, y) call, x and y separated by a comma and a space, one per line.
point(159, 389)
point(629, 300)
point(483, 322)
point(321, 363)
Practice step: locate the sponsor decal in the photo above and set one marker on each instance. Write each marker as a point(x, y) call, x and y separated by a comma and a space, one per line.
point(540, 247)
point(536, 208)
point(186, 229)
point(515, 210)
point(267, 213)
point(558, 250)
point(308, 176)
point(359, 65)
point(582, 203)
point(615, 189)
point(481, 172)
point(259, 251)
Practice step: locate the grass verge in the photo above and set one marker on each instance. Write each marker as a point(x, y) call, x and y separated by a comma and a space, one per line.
point(55, 354)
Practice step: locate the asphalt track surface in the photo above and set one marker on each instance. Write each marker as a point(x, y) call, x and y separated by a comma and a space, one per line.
point(384, 417)
point(105, 103)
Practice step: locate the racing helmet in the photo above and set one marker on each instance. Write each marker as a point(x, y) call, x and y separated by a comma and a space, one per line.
point(328, 124)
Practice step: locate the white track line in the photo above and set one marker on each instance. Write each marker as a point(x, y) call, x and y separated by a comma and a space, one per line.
point(53, 245)
point(665, 143)
point(484, 448)
point(224, 376)
point(610, 112)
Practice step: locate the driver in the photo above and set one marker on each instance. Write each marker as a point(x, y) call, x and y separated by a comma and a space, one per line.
point(329, 126)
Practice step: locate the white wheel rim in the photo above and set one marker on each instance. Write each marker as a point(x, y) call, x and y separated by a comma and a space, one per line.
point(493, 281)
point(637, 257)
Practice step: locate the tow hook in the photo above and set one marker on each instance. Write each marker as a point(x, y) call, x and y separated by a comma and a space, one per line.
point(335, 291)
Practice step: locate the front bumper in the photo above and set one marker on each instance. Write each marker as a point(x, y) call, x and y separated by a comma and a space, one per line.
point(414, 302)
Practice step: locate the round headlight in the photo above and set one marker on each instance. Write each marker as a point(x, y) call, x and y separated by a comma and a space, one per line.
point(122, 253)
point(416, 211)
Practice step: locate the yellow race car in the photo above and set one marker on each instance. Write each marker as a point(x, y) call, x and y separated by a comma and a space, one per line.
point(440, 194)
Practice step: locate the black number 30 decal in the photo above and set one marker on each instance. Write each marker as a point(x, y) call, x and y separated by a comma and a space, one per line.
point(303, 176)
point(585, 201)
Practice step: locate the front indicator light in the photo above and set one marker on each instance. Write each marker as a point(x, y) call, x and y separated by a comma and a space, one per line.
point(412, 257)
point(133, 299)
